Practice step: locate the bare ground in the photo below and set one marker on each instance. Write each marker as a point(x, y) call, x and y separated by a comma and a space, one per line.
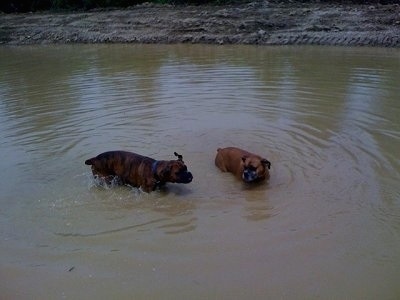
point(258, 22)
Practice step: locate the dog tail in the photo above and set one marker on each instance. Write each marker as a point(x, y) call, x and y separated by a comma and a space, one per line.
point(89, 162)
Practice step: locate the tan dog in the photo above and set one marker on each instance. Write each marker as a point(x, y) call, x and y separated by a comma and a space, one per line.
point(245, 165)
point(139, 171)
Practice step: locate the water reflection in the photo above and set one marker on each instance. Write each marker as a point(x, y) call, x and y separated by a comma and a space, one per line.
point(327, 119)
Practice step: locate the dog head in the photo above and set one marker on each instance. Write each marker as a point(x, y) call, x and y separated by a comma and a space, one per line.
point(175, 171)
point(255, 168)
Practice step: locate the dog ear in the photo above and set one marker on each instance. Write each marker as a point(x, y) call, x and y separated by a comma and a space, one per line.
point(266, 162)
point(180, 157)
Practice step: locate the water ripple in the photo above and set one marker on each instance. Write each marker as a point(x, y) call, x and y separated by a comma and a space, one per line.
point(307, 123)
point(327, 119)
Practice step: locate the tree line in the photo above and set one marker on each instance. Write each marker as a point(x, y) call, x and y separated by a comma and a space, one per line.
point(9, 6)
point(15, 6)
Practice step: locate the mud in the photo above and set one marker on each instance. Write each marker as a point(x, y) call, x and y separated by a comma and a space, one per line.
point(258, 22)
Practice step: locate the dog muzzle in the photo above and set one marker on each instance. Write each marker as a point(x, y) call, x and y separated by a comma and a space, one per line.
point(185, 177)
point(249, 175)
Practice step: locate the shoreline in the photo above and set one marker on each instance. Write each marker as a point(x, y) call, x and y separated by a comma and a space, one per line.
point(255, 23)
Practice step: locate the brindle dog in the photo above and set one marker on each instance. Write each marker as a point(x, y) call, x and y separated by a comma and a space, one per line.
point(138, 170)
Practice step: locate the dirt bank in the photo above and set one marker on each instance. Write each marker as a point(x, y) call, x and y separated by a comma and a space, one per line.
point(259, 22)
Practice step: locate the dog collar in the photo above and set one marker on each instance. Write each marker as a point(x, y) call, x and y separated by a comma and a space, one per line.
point(154, 169)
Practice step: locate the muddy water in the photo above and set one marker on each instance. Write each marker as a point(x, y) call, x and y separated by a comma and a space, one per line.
point(326, 225)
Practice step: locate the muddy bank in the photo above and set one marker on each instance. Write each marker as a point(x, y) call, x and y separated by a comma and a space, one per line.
point(259, 22)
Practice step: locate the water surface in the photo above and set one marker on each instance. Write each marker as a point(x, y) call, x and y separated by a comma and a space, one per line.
point(326, 225)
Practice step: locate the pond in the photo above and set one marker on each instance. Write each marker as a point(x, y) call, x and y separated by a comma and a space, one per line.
point(326, 224)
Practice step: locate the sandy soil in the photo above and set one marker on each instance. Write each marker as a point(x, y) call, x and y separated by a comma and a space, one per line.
point(258, 22)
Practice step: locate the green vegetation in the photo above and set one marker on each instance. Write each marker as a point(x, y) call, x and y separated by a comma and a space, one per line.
point(11, 6)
